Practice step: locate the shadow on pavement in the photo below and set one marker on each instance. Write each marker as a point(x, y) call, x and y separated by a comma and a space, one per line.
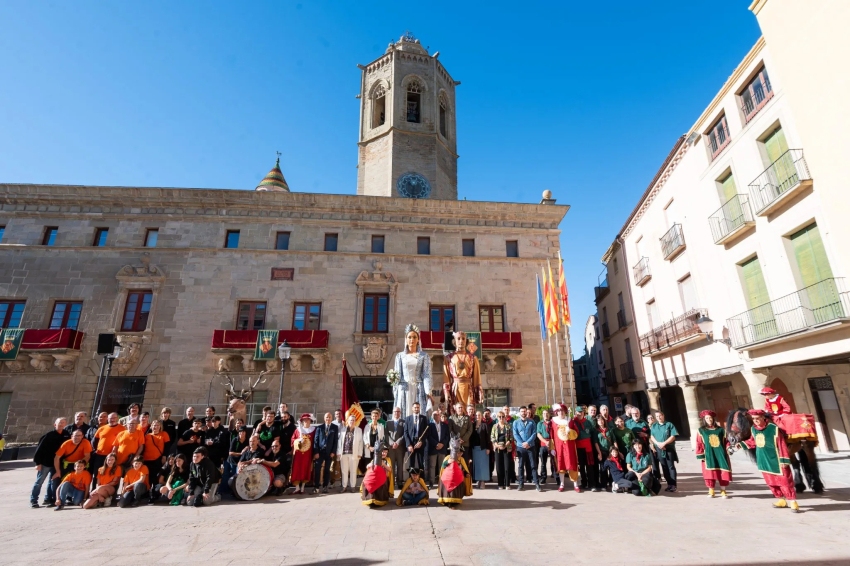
point(344, 562)
point(480, 503)
point(16, 465)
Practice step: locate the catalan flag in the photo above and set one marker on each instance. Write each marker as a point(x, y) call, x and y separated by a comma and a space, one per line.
point(550, 300)
point(562, 288)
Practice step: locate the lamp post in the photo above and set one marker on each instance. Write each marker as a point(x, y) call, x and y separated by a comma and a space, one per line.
point(284, 351)
point(706, 326)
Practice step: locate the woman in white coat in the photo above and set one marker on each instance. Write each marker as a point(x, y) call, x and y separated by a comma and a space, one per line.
point(374, 432)
point(350, 450)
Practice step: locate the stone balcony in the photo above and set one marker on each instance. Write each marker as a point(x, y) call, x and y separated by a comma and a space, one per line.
point(495, 347)
point(234, 350)
point(43, 349)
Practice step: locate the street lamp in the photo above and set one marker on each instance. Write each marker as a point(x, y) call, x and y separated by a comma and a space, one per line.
point(706, 326)
point(284, 351)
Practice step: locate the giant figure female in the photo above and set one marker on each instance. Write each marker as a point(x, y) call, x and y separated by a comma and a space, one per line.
point(463, 376)
point(414, 374)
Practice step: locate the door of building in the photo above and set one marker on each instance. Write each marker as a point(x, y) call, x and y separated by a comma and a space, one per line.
point(121, 392)
point(828, 413)
point(673, 405)
point(723, 398)
point(374, 392)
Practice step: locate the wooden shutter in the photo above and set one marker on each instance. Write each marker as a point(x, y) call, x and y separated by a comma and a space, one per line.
point(821, 295)
point(775, 145)
point(755, 289)
point(728, 188)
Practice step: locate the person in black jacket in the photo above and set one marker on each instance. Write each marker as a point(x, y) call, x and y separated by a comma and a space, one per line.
point(170, 427)
point(45, 454)
point(438, 446)
point(203, 479)
point(217, 439)
point(324, 450)
point(79, 424)
point(238, 443)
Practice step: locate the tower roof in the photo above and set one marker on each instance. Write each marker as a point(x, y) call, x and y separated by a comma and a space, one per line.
point(274, 181)
point(407, 42)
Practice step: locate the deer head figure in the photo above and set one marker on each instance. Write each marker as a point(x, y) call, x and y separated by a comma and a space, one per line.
point(237, 407)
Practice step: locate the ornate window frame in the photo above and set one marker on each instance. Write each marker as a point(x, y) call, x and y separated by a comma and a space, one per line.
point(377, 282)
point(145, 277)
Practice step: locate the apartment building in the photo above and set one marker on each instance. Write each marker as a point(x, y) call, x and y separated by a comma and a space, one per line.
point(737, 252)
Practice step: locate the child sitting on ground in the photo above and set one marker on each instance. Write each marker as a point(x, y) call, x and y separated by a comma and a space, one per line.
point(414, 492)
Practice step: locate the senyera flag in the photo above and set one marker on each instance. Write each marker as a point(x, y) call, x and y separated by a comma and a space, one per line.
point(550, 297)
point(562, 287)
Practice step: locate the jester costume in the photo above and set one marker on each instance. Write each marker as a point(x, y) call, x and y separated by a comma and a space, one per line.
point(773, 460)
point(455, 479)
point(711, 452)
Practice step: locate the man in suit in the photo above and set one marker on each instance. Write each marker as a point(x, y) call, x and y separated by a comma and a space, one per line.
point(396, 445)
point(438, 445)
point(324, 450)
point(415, 429)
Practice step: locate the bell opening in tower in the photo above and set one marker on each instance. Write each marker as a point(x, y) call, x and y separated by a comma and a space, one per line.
point(414, 100)
point(379, 108)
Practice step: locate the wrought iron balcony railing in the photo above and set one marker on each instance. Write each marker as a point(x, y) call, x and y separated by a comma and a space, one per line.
point(627, 372)
point(732, 218)
point(610, 377)
point(641, 271)
point(621, 319)
point(605, 333)
point(601, 288)
point(672, 332)
point(823, 302)
point(777, 182)
point(673, 241)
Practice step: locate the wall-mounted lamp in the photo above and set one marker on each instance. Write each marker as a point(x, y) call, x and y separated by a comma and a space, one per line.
point(706, 326)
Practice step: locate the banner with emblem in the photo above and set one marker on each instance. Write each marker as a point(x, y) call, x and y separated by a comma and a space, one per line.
point(10, 342)
point(473, 344)
point(266, 345)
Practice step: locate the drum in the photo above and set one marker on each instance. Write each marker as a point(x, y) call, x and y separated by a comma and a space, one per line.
point(253, 482)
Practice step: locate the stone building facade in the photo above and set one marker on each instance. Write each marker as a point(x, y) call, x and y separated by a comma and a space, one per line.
point(184, 277)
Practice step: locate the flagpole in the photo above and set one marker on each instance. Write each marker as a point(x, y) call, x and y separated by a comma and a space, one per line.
point(542, 351)
point(552, 367)
point(560, 374)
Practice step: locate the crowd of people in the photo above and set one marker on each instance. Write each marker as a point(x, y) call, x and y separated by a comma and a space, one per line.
point(196, 461)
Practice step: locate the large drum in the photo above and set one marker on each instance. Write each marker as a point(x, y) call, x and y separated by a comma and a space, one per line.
point(253, 482)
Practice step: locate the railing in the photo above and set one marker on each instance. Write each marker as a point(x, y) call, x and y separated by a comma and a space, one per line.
point(783, 174)
point(610, 377)
point(734, 214)
point(641, 271)
point(627, 372)
point(601, 288)
point(816, 304)
point(621, 319)
point(753, 101)
point(605, 332)
point(672, 241)
point(672, 332)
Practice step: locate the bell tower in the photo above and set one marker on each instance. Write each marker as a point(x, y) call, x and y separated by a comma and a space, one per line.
point(408, 139)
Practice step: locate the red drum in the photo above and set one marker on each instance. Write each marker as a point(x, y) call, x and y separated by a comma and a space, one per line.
point(253, 482)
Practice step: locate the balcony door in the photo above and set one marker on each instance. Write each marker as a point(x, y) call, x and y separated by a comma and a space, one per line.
point(762, 321)
point(732, 211)
point(784, 172)
point(819, 297)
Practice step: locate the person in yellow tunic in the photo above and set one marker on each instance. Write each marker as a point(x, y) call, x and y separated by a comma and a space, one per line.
point(455, 479)
point(463, 375)
point(414, 491)
point(378, 484)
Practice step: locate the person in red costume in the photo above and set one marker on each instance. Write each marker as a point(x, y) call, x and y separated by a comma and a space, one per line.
point(774, 403)
point(302, 453)
point(772, 459)
point(565, 435)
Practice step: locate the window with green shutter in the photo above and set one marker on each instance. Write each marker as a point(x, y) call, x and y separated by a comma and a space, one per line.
point(783, 173)
point(819, 293)
point(762, 320)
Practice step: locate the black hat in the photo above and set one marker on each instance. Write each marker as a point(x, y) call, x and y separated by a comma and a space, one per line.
point(414, 470)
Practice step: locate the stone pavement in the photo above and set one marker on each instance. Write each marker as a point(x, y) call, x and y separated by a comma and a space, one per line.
point(492, 527)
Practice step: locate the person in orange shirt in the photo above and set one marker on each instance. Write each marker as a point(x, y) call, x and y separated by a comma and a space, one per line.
point(145, 422)
point(154, 453)
point(75, 486)
point(78, 449)
point(136, 484)
point(104, 440)
point(108, 478)
point(129, 443)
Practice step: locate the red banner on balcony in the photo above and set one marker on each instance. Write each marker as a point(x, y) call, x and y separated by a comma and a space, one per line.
point(489, 340)
point(44, 339)
point(247, 339)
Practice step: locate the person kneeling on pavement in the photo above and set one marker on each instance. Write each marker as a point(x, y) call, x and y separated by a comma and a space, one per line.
point(414, 491)
point(640, 471)
point(136, 484)
point(203, 479)
point(75, 486)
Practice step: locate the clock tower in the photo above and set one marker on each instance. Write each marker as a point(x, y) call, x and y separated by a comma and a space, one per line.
point(408, 140)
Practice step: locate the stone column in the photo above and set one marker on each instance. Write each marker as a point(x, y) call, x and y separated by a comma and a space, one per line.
point(756, 379)
point(654, 399)
point(689, 391)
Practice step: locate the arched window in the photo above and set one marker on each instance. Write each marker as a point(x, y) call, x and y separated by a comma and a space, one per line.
point(379, 106)
point(443, 113)
point(414, 101)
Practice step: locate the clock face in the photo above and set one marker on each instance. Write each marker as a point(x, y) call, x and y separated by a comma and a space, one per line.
point(413, 185)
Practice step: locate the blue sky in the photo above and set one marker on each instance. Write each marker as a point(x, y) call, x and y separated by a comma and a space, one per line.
point(582, 98)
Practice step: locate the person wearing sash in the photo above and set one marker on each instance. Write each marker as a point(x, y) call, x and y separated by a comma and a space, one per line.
point(585, 450)
point(396, 443)
point(302, 453)
point(78, 449)
point(604, 443)
point(663, 439)
point(712, 453)
point(455, 480)
point(414, 374)
point(75, 485)
point(108, 478)
point(566, 456)
point(772, 459)
point(373, 491)
point(154, 453)
point(414, 491)
point(463, 374)
point(502, 439)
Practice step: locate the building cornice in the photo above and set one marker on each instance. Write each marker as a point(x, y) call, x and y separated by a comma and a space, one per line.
point(756, 6)
point(226, 204)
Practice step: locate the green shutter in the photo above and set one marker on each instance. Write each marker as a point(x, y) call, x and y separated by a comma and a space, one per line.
point(728, 188)
point(758, 301)
point(816, 275)
point(775, 145)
